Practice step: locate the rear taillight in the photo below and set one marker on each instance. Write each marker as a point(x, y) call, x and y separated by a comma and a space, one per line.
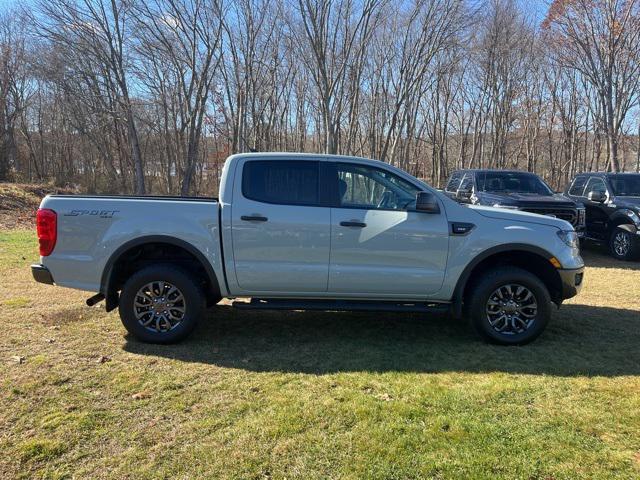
point(47, 224)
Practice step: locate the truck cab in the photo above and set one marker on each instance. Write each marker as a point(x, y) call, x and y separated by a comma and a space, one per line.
point(351, 228)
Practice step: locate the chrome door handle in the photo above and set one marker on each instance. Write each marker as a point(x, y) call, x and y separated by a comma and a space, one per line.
point(353, 224)
point(253, 218)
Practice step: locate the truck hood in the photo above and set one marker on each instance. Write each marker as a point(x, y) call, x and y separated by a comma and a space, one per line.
point(628, 202)
point(524, 200)
point(518, 216)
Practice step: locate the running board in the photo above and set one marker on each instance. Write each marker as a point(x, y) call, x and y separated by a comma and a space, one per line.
point(340, 305)
point(595, 240)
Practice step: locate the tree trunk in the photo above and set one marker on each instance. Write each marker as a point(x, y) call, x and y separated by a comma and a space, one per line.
point(135, 154)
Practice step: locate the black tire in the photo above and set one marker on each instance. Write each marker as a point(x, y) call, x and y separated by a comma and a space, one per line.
point(623, 244)
point(482, 292)
point(189, 298)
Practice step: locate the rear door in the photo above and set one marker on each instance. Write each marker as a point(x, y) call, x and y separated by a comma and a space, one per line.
point(280, 231)
point(379, 244)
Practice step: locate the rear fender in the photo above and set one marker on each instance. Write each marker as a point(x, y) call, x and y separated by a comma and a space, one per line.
point(107, 280)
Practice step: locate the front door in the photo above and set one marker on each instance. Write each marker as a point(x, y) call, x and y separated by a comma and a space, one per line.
point(596, 212)
point(379, 243)
point(280, 232)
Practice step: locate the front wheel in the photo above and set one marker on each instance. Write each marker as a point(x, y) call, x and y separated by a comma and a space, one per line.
point(509, 306)
point(623, 244)
point(160, 304)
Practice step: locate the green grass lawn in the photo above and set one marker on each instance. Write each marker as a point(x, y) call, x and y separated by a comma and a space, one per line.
point(316, 395)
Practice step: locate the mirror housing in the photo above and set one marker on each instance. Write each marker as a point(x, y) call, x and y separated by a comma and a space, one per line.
point(426, 202)
point(594, 196)
point(464, 194)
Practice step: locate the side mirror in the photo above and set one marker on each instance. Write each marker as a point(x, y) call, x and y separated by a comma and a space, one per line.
point(464, 194)
point(426, 202)
point(594, 196)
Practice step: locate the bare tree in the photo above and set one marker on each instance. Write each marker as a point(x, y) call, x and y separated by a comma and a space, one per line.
point(152, 95)
point(184, 34)
point(334, 35)
point(14, 88)
point(94, 35)
point(601, 40)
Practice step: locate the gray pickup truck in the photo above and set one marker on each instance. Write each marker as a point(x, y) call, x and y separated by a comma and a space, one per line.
point(302, 231)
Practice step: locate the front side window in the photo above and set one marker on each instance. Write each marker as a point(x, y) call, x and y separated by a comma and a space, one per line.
point(454, 182)
point(596, 184)
point(577, 187)
point(287, 182)
point(512, 182)
point(467, 183)
point(372, 188)
point(625, 185)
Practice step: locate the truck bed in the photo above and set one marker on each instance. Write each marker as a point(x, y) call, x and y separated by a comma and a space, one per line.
point(91, 228)
point(139, 197)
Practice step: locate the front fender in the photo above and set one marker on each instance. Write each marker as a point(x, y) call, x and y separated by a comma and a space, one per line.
point(463, 280)
point(629, 228)
point(627, 219)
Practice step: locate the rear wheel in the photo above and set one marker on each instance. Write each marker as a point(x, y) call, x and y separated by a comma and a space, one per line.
point(160, 304)
point(623, 245)
point(509, 306)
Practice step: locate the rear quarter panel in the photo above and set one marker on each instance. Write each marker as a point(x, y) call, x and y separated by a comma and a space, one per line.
point(91, 229)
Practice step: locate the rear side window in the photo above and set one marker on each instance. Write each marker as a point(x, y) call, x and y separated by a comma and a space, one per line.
point(288, 182)
point(625, 185)
point(454, 182)
point(577, 187)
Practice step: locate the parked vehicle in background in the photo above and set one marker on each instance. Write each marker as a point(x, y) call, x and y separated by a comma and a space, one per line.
point(296, 231)
point(513, 190)
point(612, 202)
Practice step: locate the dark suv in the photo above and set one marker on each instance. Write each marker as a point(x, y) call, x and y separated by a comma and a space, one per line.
point(612, 202)
point(515, 190)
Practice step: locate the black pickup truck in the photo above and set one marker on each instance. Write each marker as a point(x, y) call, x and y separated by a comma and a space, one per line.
point(612, 202)
point(516, 190)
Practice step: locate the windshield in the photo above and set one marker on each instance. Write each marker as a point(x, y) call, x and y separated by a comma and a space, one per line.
point(625, 185)
point(512, 182)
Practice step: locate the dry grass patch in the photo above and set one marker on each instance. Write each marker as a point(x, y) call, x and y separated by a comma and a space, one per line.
point(19, 202)
point(316, 395)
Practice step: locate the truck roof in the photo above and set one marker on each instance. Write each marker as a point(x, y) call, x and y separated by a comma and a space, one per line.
point(492, 170)
point(605, 174)
point(302, 156)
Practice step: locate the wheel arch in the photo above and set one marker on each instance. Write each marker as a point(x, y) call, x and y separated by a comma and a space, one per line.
point(531, 258)
point(109, 282)
point(622, 219)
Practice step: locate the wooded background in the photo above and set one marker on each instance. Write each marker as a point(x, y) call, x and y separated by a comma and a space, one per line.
point(150, 96)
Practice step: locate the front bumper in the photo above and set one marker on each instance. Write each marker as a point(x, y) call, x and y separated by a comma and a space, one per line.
point(41, 274)
point(571, 280)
